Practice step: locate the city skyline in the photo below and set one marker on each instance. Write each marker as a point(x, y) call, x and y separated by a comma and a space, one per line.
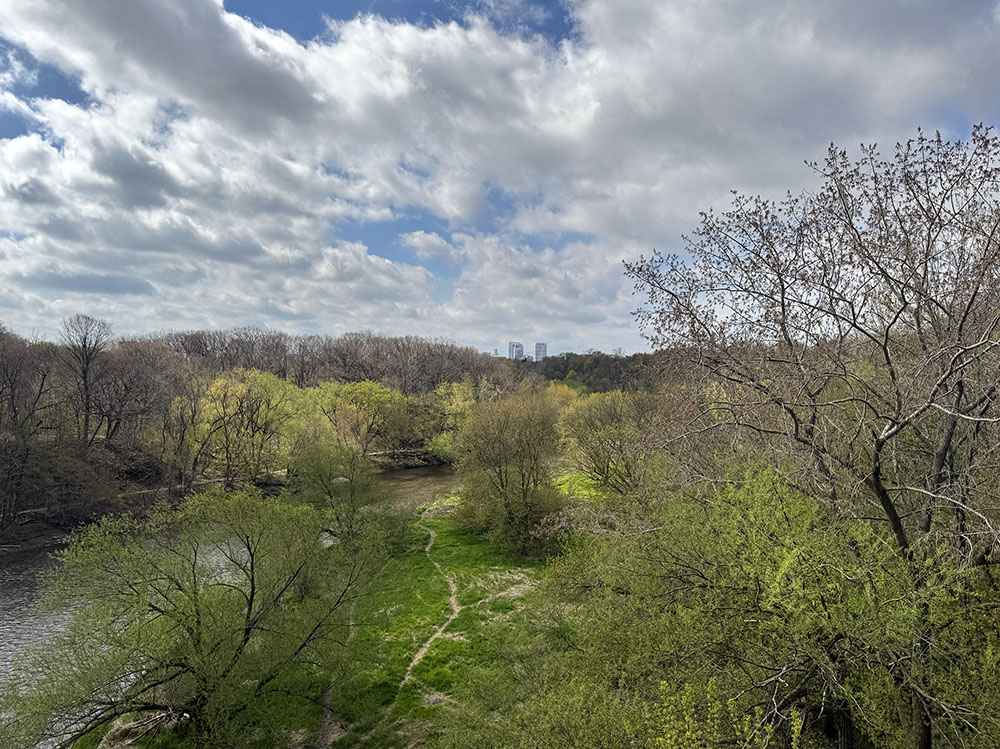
point(515, 350)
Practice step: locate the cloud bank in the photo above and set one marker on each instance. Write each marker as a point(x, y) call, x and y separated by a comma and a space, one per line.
point(465, 179)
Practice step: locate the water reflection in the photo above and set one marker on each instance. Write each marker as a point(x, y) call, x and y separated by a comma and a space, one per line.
point(419, 486)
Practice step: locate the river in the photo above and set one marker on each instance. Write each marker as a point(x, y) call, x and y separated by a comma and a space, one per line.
point(20, 590)
point(21, 571)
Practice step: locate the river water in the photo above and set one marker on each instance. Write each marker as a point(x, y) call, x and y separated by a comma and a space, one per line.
point(21, 572)
point(415, 487)
point(20, 590)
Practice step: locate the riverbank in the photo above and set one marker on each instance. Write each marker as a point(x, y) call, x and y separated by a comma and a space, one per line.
point(43, 531)
point(29, 537)
point(27, 553)
point(401, 460)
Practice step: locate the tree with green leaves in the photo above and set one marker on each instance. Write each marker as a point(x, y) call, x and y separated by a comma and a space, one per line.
point(342, 482)
point(853, 333)
point(454, 400)
point(365, 414)
point(506, 451)
point(246, 414)
point(205, 620)
point(737, 612)
point(180, 440)
point(611, 437)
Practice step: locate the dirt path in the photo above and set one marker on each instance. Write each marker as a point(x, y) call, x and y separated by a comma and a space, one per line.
point(452, 602)
point(456, 609)
point(514, 584)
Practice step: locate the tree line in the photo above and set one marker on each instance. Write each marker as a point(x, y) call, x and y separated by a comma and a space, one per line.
point(596, 371)
point(93, 416)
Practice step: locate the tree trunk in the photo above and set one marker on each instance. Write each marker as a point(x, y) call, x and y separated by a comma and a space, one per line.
point(920, 729)
point(86, 410)
point(838, 725)
point(844, 726)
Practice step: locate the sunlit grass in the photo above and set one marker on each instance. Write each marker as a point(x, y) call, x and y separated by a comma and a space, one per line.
point(578, 484)
point(408, 608)
point(405, 607)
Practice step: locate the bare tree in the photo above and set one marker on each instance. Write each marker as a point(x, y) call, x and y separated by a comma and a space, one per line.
point(410, 364)
point(26, 393)
point(85, 343)
point(139, 381)
point(857, 329)
point(194, 344)
point(306, 359)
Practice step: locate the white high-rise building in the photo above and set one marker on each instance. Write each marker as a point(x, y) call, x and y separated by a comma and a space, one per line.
point(515, 350)
point(541, 351)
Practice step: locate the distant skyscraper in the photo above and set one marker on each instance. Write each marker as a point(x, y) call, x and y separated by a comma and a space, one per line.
point(515, 350)
point(541, 351)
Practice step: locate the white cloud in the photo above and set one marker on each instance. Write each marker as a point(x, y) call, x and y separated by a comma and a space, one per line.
point(430, 245)
point(14, 71)
point(217, 161)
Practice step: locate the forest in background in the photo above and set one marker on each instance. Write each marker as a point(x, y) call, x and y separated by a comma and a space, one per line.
point(779, 533)
point(90, 418)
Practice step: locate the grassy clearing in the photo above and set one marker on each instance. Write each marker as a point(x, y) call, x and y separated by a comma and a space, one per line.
point(407, 610)
point(578, 484)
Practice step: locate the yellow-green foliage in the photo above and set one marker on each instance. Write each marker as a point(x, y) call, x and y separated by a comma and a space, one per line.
point(244, 424)
point(745, 613)
point(579, 484)
point(506, 450)
point(211, 619)
point(455, 400)
point(366, 414)
point(686, 718)
point(245, 415)
point(610, 439)
point(342, 482)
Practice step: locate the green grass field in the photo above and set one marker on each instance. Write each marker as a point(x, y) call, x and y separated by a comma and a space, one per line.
point(377, 709)
point(578, 484)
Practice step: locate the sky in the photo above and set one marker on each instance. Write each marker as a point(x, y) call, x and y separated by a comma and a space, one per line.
point(469, 170)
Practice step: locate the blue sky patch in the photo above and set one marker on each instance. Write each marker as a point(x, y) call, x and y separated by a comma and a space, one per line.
point(303, 19)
